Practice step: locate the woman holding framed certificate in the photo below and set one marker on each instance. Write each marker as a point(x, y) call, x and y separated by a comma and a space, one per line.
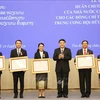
point(41, 78)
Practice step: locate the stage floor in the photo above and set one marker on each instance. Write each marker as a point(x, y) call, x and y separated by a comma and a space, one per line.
point(50, 94)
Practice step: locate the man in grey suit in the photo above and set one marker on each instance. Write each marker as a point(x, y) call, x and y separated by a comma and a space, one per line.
point(85, 74)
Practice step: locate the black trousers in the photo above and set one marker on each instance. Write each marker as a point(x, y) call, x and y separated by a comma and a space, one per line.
point(20, 76)
point(62, 76)
point(85, 81)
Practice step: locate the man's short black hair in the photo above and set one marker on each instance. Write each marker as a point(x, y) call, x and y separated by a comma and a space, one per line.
point(85, 41)
point(62, 40)
point(18, 40)
point(40, 44)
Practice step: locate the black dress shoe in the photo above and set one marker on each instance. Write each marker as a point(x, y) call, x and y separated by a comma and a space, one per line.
point(39, 96)
point(43, 96)
point(83, 96)
point(21, 95)
point(59, 96)
point(15, 96)
point(65, 96)
point(87, 96)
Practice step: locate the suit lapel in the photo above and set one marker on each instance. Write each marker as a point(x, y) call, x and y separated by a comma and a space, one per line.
point(21, 52)
point(39, 55)
point(16, 52)
point(44, 54)
point(82, 51)
point(88, 51)
point(64, 50)
point(59, 51)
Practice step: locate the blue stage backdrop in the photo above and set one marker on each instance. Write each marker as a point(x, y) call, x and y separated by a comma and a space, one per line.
point(47, 21)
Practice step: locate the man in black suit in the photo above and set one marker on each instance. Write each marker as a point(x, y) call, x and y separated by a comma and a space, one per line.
point(0, 71)
point(0, 77)
point(62, 56)
point(18, 52)
point(0, 53)
point(98, 57)
point(85, 74)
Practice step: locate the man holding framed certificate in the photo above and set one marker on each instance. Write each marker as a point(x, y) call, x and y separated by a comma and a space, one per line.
point(98, 66)
point(18, 52)
point(0, 71)
point(85, 73)
point(0, 77)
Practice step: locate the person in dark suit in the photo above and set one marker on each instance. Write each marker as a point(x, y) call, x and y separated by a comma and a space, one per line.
point(85, 74)
point(0, 71)
point(0, 77)
point(62, 56)
point(40, 54)
point(18, 52)
point(98, 57)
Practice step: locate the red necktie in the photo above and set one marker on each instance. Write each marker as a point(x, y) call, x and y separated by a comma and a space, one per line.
point(85, 52)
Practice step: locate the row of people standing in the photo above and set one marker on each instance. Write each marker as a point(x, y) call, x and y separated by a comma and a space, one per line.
point(62, 56)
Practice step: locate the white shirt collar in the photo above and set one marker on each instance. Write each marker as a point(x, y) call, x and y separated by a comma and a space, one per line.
point(84, 49)
point(62, 49)
point(18, 49)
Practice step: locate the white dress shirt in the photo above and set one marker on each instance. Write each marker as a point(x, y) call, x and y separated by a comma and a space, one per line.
point(18, 51)
point(84, 49)
point(62, 50)
point(41, 54)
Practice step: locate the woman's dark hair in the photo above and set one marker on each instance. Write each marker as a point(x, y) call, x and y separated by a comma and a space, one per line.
point(85, 41)
point(39, 45)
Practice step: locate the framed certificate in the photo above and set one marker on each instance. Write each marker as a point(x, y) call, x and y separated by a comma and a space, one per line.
point(40, 65)
point(18, 64)
point(98, 66)
point(2, 63)
point(85, 61)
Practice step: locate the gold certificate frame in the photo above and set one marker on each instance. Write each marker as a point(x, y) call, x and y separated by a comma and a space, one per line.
point(2, 63)
point(18, 64)
point(98, 65)
point(40, 65)
point(85, 61)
